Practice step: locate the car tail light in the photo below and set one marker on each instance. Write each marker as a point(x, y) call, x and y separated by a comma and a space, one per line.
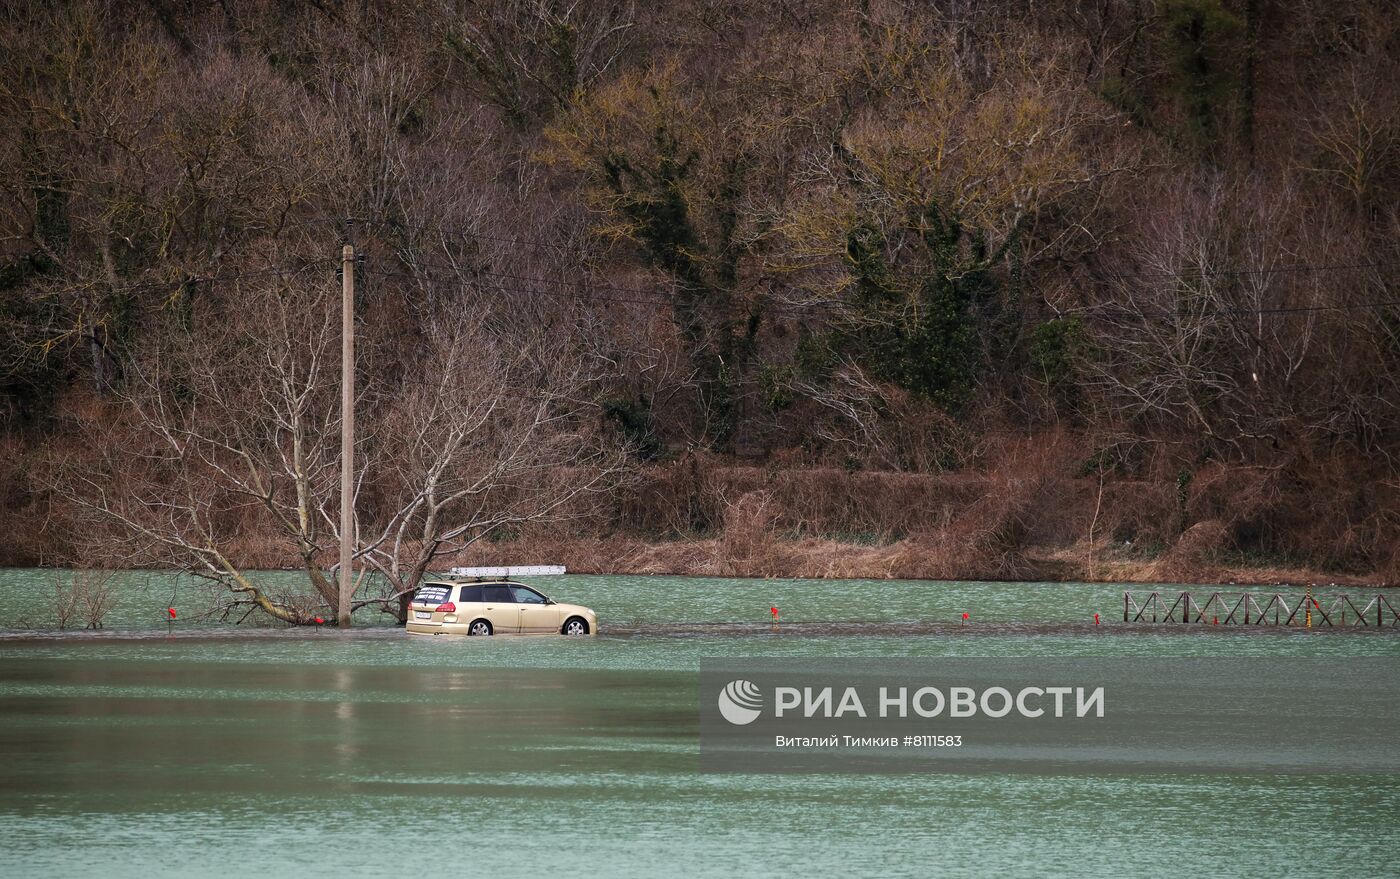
point(449, 607)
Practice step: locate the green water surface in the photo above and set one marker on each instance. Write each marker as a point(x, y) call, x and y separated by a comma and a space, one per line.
point(215, 750)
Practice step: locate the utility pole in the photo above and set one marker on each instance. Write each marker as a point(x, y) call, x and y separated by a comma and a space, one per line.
point(347, 427)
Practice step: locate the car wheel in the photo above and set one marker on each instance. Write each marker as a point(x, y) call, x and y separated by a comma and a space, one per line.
point(576, 626)
point(479, 627)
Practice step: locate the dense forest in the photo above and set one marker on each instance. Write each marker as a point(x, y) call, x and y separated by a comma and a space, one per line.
point(949, 289)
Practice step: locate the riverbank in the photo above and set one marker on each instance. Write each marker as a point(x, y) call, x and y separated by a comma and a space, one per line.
point(704, 515)
point(911, 559)
point(764, 555)
point(631, 605)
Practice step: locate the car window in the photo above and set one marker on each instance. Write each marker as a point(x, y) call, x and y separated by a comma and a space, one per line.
point(433, 593)
point(526, 595)
point(497, 593)
point(469, 593)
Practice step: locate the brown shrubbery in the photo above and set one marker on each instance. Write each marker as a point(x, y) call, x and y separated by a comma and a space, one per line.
point(83, 598)
point(885, 288)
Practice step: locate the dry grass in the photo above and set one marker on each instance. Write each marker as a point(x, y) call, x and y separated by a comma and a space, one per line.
point(1192, 556)
point(923, 557)
point(1028, 512)
point(912, 559)
point(1019, 522)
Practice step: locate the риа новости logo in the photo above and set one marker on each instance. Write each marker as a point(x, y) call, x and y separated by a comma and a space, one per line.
point(740, 702)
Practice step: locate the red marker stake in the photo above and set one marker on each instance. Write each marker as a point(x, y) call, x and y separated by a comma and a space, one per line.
point(1096, 619)
point(170, 621)
point(964, 619)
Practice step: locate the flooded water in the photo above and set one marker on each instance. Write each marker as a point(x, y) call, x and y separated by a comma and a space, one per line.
point(210, 749)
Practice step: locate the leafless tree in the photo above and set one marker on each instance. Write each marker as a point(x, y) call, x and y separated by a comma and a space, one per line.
point(232, 427)
point(1191, 340)
point(493, 428)
point(86, 594)
point(531, 56)
point(233, 433)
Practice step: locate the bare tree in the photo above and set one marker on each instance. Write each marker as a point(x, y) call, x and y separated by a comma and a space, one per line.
point(1189, 340)
point(529, 57)
point(231, 437)
point(89, 594)
point(219, 436)
point(490, 430)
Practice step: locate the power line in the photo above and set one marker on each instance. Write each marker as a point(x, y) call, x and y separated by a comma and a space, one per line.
point(574, 294)
point(558, 293)
point(565, 293)
point(1197, 271)
point(1187, 272)
point(189, 279)
point(336, 223)
point(466, 233)
point(1272, 270)
point(1128, 311)
point(600, 285)
point(575, 291)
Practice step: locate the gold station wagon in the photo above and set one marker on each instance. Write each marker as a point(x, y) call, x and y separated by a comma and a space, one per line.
point(487, 601)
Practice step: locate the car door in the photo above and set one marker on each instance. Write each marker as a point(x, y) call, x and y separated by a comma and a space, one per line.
point(469, 602)
point(537, 615)
point(499, 607)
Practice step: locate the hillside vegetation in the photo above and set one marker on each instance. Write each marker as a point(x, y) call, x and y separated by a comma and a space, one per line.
point(948, 289)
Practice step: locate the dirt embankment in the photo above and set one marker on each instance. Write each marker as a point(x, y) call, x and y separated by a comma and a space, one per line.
point(1029, 517)
point(909, 559)
point(1025, 518)
point(697, 517)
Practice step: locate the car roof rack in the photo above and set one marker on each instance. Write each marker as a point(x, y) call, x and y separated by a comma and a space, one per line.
point(510, 571)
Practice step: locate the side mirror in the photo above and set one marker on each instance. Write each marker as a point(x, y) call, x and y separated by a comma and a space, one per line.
point(548, 600)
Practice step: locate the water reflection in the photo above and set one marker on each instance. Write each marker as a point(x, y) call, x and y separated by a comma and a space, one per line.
point(272, 752)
